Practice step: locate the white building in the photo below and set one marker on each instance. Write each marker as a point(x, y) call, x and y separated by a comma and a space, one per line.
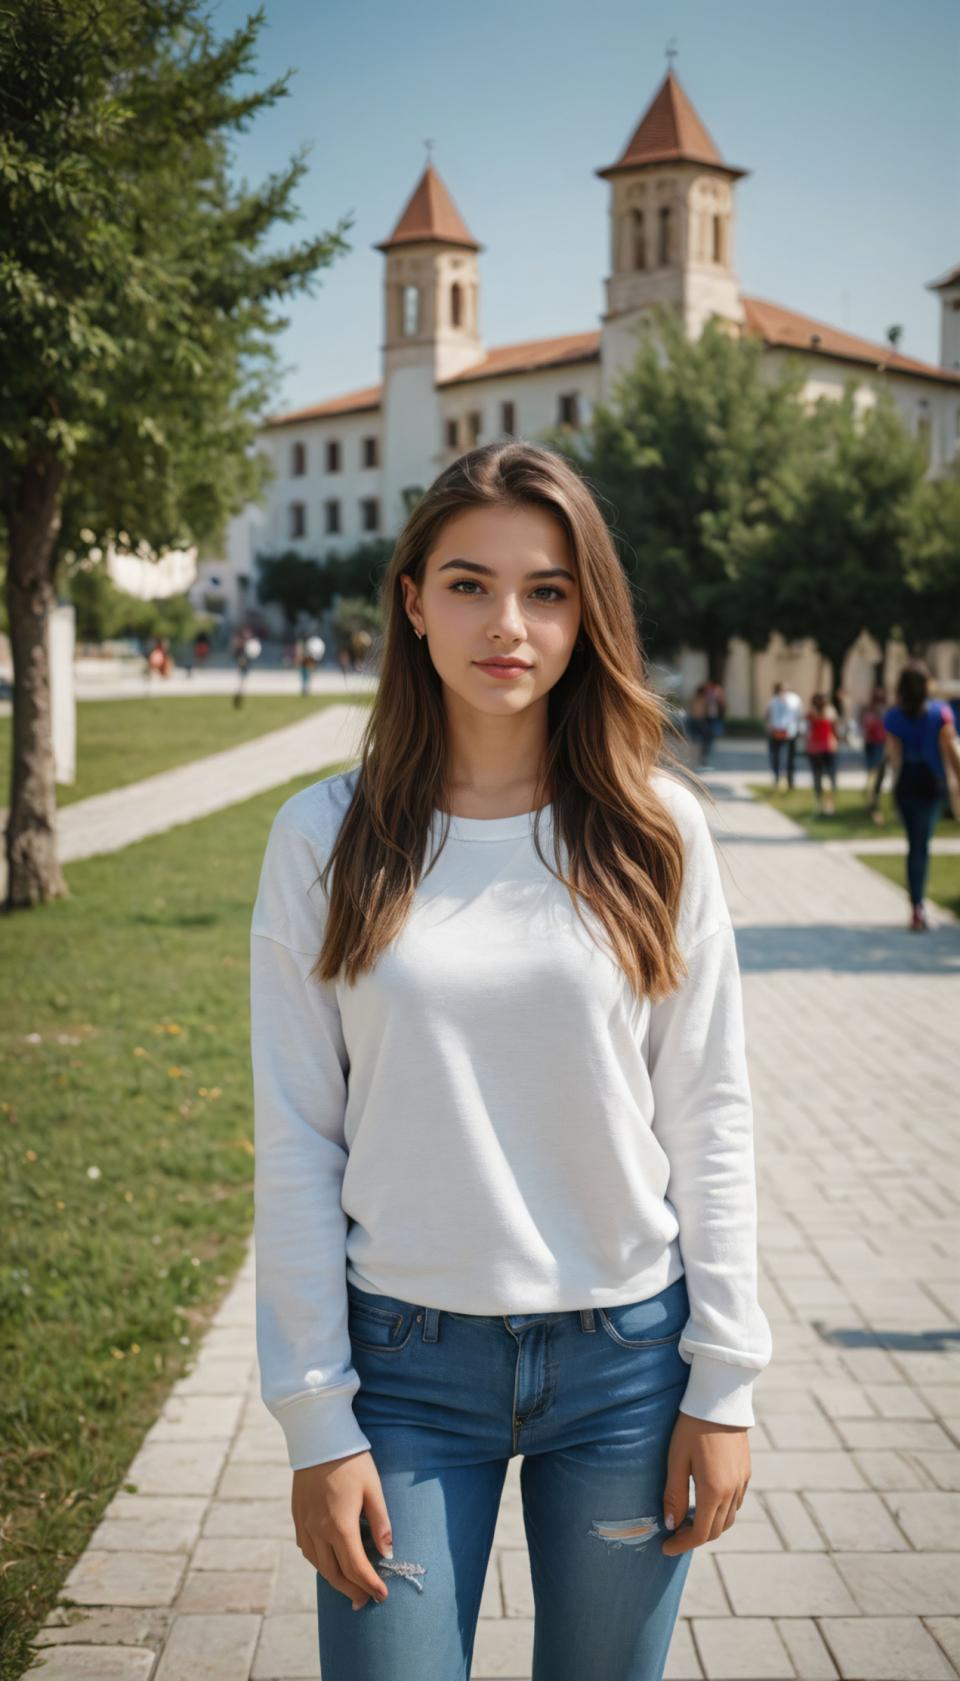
point(345, 465)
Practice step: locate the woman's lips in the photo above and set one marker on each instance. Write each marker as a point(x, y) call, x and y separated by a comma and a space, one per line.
point(502, 670)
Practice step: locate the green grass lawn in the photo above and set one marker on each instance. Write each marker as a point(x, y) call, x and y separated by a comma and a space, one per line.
point(943, 882)
point(125, 1120)
point(850, 821)
point(120, 741)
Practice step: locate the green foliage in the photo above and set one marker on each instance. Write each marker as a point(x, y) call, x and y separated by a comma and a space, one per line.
point(294, 582)
point(103, 611)
point(137, 292)
point(356, 613)
point(361, 571)
point(696, 452)
point(931, 607)
point(302, 585)
point(838, 565)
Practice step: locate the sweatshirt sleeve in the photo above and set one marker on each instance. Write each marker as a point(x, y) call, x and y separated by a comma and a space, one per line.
point(703, 1120)
point(300, 1068)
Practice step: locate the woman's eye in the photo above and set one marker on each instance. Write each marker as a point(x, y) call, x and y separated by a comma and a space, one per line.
point(472, 583)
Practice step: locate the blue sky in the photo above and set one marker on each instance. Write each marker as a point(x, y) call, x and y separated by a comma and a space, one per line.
point(846, 113)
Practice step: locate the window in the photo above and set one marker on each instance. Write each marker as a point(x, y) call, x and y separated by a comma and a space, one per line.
point(333, 455)
point(456, 304)
point(298, 460)
point(663, 249)
point(371, 457)
point(453, 434)
point(370, 513)
point(332, 512)
point(298, 519)
point(568, 408)
point(508, 418)
point(411, 311)
point(719, 254)
point(639, 239)
point(475, 425)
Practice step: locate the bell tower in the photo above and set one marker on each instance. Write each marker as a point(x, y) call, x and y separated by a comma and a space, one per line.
point(431, 329)
point(671, 228)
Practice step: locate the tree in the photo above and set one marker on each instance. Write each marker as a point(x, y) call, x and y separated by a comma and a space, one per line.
point(694, 450)
point(294, 582)
point(837, 565)
point(931, 606)
point(136, 317)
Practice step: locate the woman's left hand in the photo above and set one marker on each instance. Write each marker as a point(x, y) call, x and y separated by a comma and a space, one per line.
point(717, 1457)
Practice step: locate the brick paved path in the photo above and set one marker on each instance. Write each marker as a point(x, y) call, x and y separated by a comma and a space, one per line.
point(843, 1560)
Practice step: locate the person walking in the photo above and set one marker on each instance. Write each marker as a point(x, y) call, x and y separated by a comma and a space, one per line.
point(874, 759)
point(822, 723)
point(783, 714)
point(921, 744)
point(496, 1012)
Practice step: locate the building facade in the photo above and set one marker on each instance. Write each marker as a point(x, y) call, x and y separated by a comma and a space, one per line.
point(345, 468)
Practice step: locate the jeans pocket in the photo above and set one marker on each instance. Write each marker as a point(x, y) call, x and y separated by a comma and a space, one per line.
point(653, 1323)
point(383, 1329)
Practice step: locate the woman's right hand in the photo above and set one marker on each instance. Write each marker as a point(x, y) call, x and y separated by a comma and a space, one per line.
point(327, 1501)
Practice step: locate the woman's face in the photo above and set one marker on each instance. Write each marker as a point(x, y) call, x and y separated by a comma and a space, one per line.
point(499, 582)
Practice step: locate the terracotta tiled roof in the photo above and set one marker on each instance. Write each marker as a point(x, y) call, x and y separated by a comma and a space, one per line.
point(951, 278)
point(786, 329)
point(352, 402)
point(669, 131)
point(430, 213)
point(783, 329)
point(529, 355)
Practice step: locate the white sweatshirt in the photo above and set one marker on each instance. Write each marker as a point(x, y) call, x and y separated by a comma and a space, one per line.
point(490, 1121)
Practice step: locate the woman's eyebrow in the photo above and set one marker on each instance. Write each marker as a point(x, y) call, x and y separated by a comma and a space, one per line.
point(490, 572)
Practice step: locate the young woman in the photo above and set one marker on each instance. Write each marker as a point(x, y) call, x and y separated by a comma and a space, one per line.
point(822, 721)
point(921, 743)
point(505, 1181)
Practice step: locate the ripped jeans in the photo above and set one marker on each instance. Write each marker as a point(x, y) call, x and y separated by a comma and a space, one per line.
point(589, 1399)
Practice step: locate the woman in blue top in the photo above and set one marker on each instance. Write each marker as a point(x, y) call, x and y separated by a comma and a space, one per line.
point(921, 742)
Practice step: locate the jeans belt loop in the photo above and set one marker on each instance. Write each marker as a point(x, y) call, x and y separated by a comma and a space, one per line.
point(587, 1319)
point(431, 1323)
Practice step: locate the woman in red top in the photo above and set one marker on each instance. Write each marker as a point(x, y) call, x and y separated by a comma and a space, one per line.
point(822, 751)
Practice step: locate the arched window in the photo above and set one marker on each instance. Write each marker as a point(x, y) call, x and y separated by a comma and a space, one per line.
point(411, 311)
point(456, 304)
point(663, 228)
point(638, 240)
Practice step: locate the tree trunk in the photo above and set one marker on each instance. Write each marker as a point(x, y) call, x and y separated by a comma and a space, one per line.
point(33, 516)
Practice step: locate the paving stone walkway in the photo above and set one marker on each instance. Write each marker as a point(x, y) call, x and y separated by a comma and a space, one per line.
point(843, 1561)
point(107, 822)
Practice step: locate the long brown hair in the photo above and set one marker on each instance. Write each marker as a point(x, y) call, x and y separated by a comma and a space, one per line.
point(913, 687)
point(607, 733)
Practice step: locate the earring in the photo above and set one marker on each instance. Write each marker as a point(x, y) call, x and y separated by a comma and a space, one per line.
point(419, 634)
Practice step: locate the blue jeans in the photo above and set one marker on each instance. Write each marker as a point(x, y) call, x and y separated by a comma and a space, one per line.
point(919, 820)
point(589, 1398)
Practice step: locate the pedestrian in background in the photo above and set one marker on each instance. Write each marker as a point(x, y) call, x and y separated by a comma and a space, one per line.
point(874, 758)
point(822, 745)
point(921, 744)
point(782, 717)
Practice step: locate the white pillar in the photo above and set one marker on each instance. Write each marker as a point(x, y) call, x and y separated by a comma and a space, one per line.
point(61, 633)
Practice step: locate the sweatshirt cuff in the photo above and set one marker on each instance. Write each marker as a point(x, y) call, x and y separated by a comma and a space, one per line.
point(719, 1392)
point(320, 1427)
